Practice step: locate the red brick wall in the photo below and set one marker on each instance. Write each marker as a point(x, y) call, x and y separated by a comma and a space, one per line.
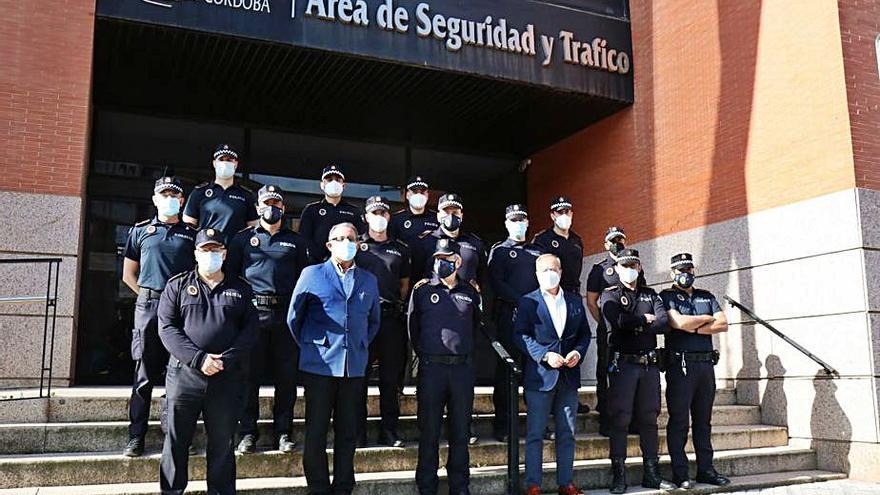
point(45, 80)
point(739, 107)
point(859, 28)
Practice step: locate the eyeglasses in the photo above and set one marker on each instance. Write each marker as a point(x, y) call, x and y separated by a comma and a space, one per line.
point(340, 239)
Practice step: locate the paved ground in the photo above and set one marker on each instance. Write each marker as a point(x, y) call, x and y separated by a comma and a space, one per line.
point(840, 487)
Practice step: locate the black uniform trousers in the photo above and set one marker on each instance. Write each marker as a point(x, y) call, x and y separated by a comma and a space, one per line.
point(150, 358)
point(218, 399)
point(276, 352)
point(602, 374)
point(390, 349)
point(326, 397)
point(633, 392)
point(449, 386)
point(501, 392)
point(690, 394)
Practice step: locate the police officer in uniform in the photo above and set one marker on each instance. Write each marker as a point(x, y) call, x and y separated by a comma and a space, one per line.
point(634, 314)
point(562, 241)
point(156, 250)
point(388, 259)
point(512, 275)
point(602, 276)
point(318, 217)
point(270, 257)
point(694, 315)
point(443, 315)
point(407, 224)
point(450, 215)
point(208, 323)
point(222, 204)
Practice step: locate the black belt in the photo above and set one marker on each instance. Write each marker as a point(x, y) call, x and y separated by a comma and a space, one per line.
point(266, 300)
point(695, 356)
point(644, 359)
point(448, 359)
point(150, 293)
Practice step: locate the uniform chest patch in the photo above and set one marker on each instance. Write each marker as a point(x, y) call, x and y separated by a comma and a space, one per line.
point(349, 213)
point(287, 244)
point(701, 300)
point(209, 193)
point(191, 290)
point(232, 293)
point(680, 297)
point(467, 245)
point(322, 212)
point(407, 224)
point(512, 253)
point(463, 298)
point(151, 229)
point(435, 298)
point(255, 241)
point(395, 253)
point(645, 299)
point(240, 198)
point(609, 271)
point(624, 300)
point(187, 237)
point(364, 246)
point(554, 243)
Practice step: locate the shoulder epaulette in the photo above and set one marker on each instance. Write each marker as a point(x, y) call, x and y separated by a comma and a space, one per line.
point(398, 211)
point(496, 245)
point(421, 283)
point(475, 285)
point(611, 287)
point(425, 234)
point(203, 184)
point(249, 227)
point(244, 280)
point(402, 243)
point(313, 203)
point(142, 223)
point(475, 236)
point(175, 277)
point(246, 188)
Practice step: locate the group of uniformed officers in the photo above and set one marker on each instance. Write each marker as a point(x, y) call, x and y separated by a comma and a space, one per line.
point(226, 295)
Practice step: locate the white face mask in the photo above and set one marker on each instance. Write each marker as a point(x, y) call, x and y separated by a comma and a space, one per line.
point(563, 221)
point(167, 206)
point(378, 223)
point(333, 189)
point(548, 279)
point(209, 261)
point(344, 250)
point(627, 275)
point(418, 200)
point(517, 230)
point(223, 169)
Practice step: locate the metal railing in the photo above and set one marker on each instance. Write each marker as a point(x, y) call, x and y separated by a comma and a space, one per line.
point(751, 314)
point(50, 302)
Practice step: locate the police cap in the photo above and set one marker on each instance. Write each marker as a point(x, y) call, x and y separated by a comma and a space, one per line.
point(167, 184)
point(209, 236)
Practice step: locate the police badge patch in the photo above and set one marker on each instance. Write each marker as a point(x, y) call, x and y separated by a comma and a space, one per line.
point(151, 229)
point(209, 193)
point(680, 297)
point(191, 290)
point(624, 300)
point(512, 253)
point(364, 246)
point(407, 224)
point(322, 212)
point(554, 243)
point(609, 271)
point(435, 298)
point(255, 241)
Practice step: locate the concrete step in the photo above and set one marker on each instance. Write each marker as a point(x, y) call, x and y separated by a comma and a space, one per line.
point(69, 405)
point(753, 468)
point(113, 468)
point(103, 436)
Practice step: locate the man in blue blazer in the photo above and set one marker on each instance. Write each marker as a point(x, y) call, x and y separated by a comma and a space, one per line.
point(334, 315)
point(551, 328)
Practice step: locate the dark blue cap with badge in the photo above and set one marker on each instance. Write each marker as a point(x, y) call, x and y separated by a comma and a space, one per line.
point(167, 184)
point(682, 260)
point(209, 236)
point(450, 200)
point(628, 256)
point(560, 203)
point(225, 150)
point(270, 191)
point(332, 170)
point(613, 233)
point(417, 183)
point(445, 247)
point(376, 203)
point(515, 210)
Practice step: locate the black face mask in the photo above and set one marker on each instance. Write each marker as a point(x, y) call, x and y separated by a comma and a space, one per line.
point(616, 248)
point(451, 222)
point(444, 268)
point(271, 214)
point(684, 280)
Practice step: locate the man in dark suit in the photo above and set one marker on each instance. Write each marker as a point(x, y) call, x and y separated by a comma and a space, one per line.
point(551, 327)
point(334, 315)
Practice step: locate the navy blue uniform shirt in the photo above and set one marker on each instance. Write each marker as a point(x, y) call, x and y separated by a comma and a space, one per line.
point(195, 320)
point(512, 269)
point(388, 261)
point(700, 302)
point(319, 217)
point(473, 255)
point(624, 311)
point(570, 252)
point(270, 263)
point(443, 320)
point(602, 276)
point(227, 210)
point(162, 249)
point(407, 226)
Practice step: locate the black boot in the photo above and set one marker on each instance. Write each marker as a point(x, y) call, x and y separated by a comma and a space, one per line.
point(651, 476)
point(712, 477)
point(618, 475)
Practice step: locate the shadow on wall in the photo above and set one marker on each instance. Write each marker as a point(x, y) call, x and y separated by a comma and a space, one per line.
point(774, 404)
point(828, 421)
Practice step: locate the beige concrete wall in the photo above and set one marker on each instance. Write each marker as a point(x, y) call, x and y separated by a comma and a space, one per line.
point(811, 270)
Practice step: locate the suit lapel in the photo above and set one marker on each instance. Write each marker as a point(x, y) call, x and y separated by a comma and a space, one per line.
point(544, 313)
point(333, 277)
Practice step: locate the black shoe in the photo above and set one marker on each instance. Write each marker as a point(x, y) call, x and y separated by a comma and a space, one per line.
point(474, 437)
point(549, 434)
point(712, 477)
point(135, 447)
point(651, 476)
point(685, 485)
point(618, 475)
point(248, 444)
point(285, 444)
point(583, 408)
point(389, 438)
point(191, 451)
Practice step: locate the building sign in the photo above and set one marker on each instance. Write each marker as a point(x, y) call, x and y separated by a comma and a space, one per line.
point(527, 41)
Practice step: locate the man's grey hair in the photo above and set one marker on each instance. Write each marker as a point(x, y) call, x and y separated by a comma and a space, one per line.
point(340, 226)
point(548, 256)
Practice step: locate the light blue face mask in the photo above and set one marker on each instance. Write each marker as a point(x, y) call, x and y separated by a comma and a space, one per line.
point(168, 206)
point(517, 230)
point(344, 250)
point(209, 261)
point(224, 169)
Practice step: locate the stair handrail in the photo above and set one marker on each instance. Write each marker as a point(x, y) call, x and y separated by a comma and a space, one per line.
point(829, 370)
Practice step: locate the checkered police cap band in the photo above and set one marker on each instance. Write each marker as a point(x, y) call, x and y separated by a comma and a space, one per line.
point(682, 264)
point(166, 186)
point(614, 234)
point(446, 203)
point(225, 152)
point(622, 260)
point(271, 195)
point(377, 205)
point(417, 183)
point(560, 205)
point(515, 213)
point(334, 171)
